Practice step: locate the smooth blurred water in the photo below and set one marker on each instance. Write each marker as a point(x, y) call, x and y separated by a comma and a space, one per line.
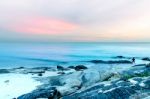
point(52, 54)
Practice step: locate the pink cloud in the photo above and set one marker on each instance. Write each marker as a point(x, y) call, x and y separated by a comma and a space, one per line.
point(42, 25)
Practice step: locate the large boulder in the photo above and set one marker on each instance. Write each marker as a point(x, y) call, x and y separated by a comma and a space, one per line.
point(71, 82)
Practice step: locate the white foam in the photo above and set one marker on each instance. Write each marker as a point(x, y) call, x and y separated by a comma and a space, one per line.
point(14, 85)
point(133, 81)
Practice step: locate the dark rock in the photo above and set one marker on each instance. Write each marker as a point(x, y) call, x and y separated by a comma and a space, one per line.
point(60, 68)
point(146, 59)
point(71, 67)
point(40, 74)
point(3, 71)
point(80, 67)
point(50, 93)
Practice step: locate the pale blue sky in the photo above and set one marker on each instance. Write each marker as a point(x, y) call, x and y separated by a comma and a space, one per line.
point(75, 20)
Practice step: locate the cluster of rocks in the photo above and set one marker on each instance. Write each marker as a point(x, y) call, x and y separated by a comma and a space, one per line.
point(77, 68)
point(133, 88)
point(93, 84)
point(41, 70)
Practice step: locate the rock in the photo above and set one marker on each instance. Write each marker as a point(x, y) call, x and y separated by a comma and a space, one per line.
point(148, 65)
point(50, 93)
point(69, 83)
point(146, 59)
point(3, 71)
point(71, 67)
point(112, 62)
point(6, 81)
point(60, 68)
point(112, 93)
point(80, 67)
point(108, 86)
point(123, 83)
point(119, 57)
point(140, 71)
point(146, 83)
point(136, 79)
point(61, 73)
point(40, 74)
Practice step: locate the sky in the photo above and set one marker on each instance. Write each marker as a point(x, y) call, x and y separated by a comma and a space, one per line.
point(75, 20)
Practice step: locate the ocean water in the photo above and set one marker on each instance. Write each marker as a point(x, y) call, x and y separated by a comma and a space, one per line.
point(66, 54)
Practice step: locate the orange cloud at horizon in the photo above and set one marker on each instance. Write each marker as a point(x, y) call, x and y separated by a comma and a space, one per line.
point(42, 25)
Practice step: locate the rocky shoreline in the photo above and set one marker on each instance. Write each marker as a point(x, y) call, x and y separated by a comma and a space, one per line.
point(81, 82)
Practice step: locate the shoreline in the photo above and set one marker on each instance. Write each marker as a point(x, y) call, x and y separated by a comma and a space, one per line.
point(67, 82)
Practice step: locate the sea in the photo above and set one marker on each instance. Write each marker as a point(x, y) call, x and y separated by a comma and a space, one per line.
point(67, 54)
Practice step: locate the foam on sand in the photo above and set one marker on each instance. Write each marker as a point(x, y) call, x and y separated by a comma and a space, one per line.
point(14, 85)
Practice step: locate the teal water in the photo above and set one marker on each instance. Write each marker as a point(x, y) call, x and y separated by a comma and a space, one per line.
point(66, 54)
